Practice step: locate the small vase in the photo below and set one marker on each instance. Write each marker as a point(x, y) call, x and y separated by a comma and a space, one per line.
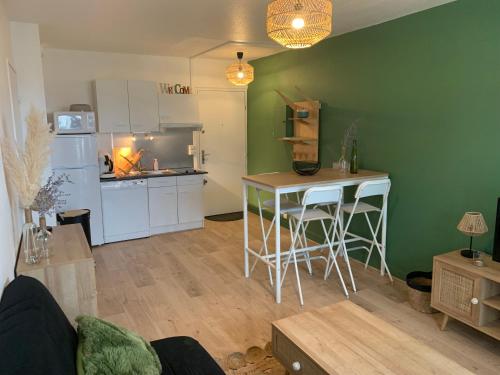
point(342, 164)
point(354, 158)
point(44, 239)
point(31, 253)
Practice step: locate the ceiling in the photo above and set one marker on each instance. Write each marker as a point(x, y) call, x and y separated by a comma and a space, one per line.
point(183, 27)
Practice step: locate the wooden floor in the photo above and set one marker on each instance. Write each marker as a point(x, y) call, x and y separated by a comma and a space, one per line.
point(191, 283)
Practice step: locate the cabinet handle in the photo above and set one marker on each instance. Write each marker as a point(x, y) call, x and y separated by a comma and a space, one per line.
point(296, 366)
point(474, 301)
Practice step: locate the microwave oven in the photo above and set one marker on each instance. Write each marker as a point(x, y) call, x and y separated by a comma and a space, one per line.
point(74, 122)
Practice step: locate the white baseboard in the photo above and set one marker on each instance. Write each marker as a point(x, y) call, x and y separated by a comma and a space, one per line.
point(177, 227)
point(125, 237)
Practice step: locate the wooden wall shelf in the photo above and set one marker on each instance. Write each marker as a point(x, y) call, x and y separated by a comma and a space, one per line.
point(305, 138)
point(301, 119)
point(298, 140)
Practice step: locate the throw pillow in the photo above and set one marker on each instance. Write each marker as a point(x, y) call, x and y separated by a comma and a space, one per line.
point(105, 349)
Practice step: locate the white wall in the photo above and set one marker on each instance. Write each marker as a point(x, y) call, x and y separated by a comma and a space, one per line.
point(7, 242)
point(69, 74)
point(27, 59)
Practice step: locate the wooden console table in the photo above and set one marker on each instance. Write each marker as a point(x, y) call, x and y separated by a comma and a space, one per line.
point(69, 274)
point(466, 292)
point(346, 339)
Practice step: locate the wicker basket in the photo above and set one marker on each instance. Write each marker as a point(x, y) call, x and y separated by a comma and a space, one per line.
point(419, 291)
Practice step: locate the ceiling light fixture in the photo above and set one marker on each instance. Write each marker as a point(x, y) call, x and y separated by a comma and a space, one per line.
point(239, 73)
point(299, 23)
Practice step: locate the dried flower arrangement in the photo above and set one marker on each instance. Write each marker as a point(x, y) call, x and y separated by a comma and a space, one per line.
point(350, 134)
point(24, 168)
point(50, 197)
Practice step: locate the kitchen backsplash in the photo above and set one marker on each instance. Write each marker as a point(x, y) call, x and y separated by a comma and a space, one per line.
point(170, 148)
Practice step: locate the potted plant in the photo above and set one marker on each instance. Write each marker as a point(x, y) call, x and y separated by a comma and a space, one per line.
point(46, 202)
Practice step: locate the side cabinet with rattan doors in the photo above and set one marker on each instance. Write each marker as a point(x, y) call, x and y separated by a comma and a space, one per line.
point(466, 292)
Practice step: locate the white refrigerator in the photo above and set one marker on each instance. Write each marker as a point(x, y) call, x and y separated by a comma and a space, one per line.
point(76, 156)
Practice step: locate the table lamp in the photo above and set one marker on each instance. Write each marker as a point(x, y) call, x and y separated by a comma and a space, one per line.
point(473, 225)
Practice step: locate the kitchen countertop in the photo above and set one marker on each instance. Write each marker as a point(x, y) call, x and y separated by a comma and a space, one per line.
point(150, 175)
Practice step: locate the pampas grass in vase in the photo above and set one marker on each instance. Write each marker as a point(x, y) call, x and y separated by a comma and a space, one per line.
point(24, 170)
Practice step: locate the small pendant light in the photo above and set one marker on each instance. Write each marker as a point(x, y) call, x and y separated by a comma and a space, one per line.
point(239, 73)
point(299, 23)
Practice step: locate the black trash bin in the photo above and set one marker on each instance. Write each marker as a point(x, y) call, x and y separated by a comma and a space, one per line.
point(77, 217)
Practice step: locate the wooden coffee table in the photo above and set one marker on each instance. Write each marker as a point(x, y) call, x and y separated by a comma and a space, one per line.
point(346, 339)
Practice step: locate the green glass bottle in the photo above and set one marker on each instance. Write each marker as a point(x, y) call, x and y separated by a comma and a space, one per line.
point(354, 157)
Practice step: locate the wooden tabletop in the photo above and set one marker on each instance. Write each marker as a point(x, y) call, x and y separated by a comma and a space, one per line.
point(70, 246)
point(346, 339)
point(324, 176)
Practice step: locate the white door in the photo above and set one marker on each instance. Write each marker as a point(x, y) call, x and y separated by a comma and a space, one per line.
point(143, 105)
point(112, 106)
point(223, 148)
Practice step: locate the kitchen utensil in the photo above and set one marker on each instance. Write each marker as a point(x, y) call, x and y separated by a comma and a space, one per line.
point(108, 162)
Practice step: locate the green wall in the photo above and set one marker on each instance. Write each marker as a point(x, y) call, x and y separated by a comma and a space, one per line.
point(426, 91)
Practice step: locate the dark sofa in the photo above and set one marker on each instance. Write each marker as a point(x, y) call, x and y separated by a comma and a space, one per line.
point(36, 338)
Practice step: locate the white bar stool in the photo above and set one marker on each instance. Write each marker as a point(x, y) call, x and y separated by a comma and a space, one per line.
point(368, 189)
point(286, 206)
point(312, 197)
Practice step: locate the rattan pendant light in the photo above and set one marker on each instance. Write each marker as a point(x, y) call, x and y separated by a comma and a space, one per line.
point(299, 23)
point(239, 73)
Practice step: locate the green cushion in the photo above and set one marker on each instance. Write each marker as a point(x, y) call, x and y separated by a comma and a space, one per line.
point(105, 349)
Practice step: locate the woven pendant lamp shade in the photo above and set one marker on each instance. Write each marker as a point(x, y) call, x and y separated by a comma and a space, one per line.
point(472, 224)
point(239, 73)
point(299, 23)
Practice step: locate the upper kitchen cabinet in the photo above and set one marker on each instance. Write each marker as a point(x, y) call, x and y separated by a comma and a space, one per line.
point(143, 106)
point(127, 106)
point(112, 106)
point(179, 110)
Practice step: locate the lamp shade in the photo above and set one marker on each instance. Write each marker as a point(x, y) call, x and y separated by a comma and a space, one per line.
point(299, 23)
point(239, 73)
point(472, 224)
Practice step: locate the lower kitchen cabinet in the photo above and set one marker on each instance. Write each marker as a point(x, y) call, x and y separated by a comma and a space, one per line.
point(163, 206)
point(190, 203)
point(175, 203)
point(139, 208)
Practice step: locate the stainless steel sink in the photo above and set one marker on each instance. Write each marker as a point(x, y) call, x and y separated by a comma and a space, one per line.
point(156, 173)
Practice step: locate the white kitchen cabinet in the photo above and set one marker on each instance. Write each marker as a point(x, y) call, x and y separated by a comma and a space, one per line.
point(163, 206)
point(190, 199)
point(112, 106)
point(179, 110)
point(143, 106)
